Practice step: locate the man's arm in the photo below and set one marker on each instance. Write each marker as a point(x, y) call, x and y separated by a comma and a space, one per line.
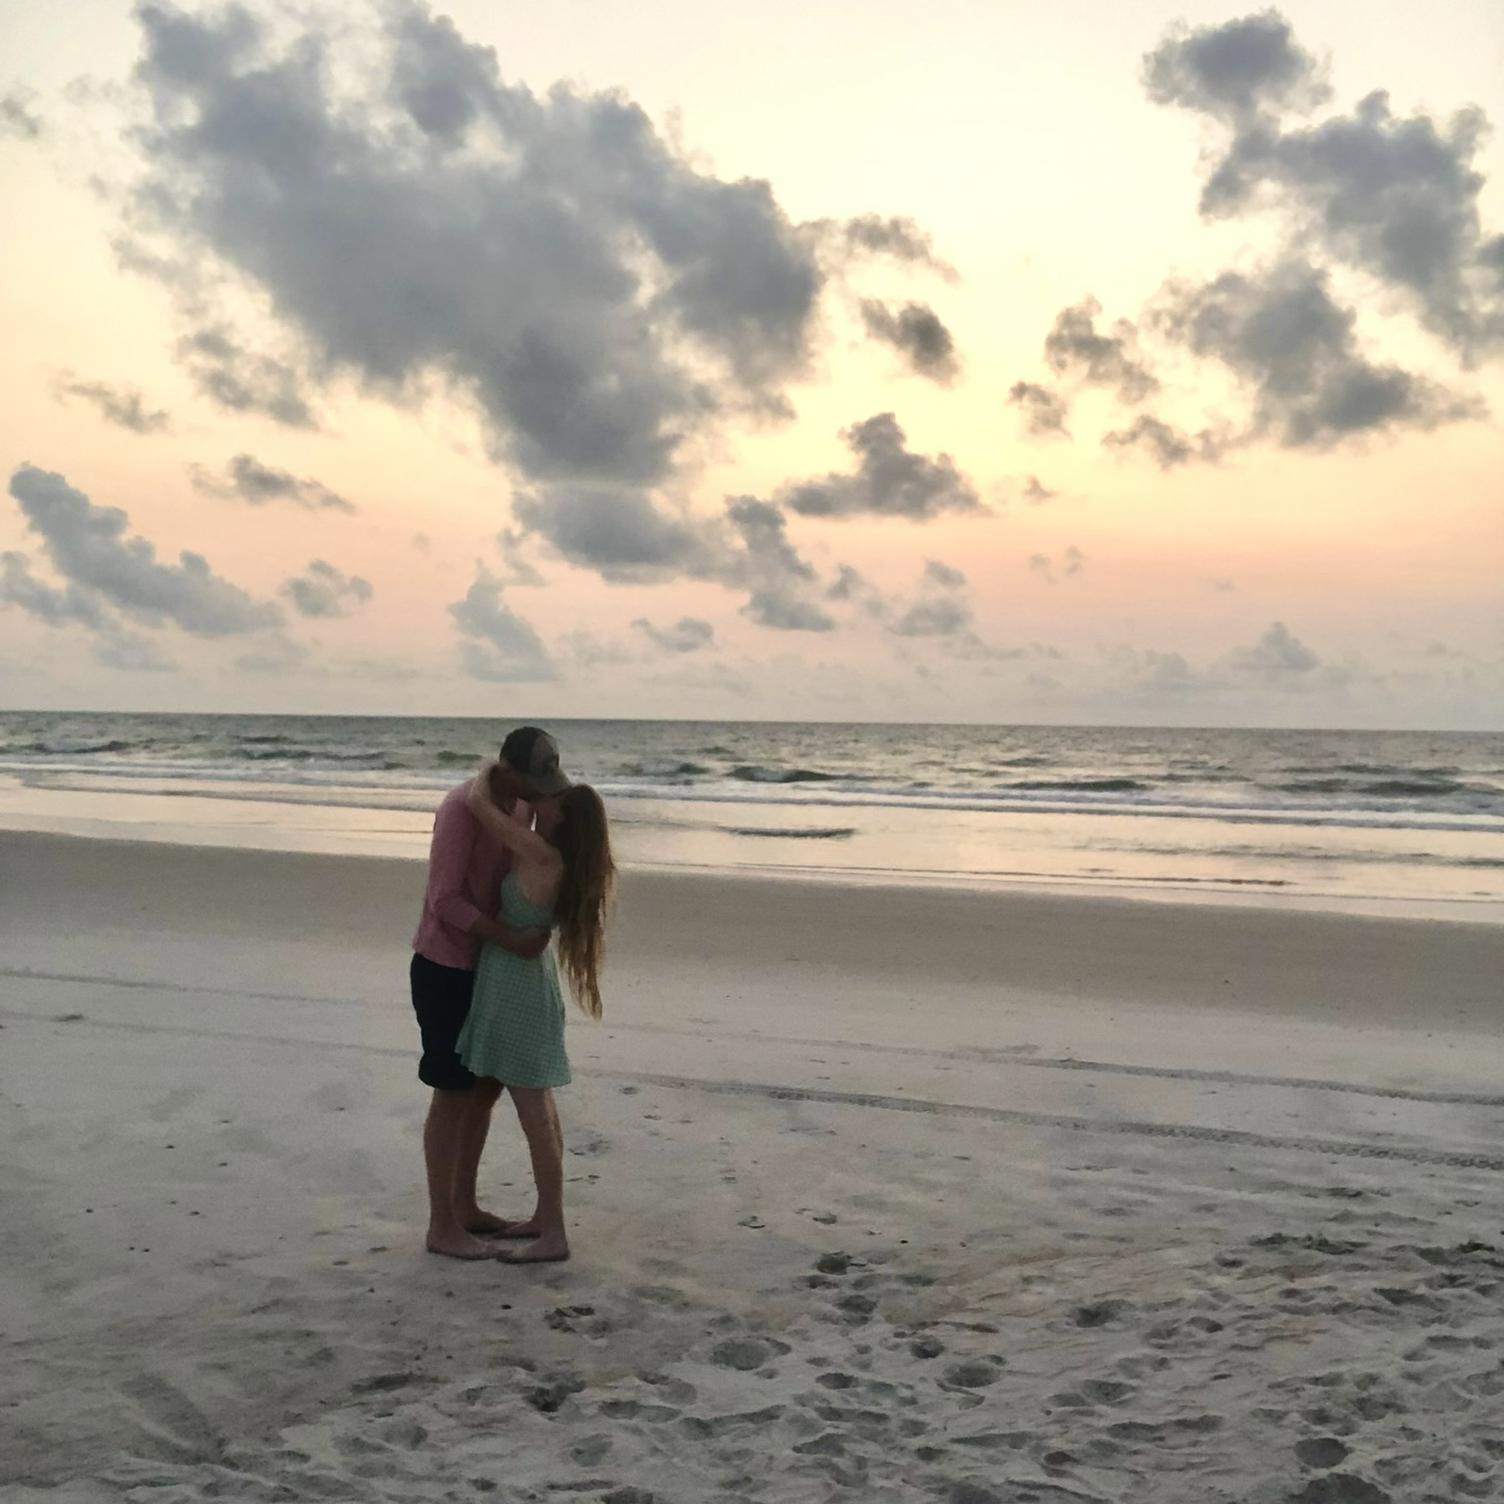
point(528, 944)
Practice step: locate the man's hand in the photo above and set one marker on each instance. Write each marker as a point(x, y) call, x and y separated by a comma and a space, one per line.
point(529, 944)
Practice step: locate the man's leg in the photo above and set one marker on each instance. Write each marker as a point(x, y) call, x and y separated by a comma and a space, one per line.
point(545, 1142)
point(477, 1125)
point(443, 1137)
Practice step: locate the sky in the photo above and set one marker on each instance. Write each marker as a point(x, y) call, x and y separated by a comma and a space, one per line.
point(1130, 364)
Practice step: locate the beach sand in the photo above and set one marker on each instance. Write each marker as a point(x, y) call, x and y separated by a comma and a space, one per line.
point(875, 1194)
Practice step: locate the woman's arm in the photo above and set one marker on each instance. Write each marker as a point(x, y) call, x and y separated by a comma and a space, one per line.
point(505, 829)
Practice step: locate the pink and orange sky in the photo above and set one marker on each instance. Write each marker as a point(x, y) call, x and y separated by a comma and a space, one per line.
point(1087, 363)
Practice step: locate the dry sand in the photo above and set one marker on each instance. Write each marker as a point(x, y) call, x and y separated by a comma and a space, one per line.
point(877, 1195)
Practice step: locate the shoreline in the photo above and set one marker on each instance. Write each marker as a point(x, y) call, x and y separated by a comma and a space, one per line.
point(408, 841)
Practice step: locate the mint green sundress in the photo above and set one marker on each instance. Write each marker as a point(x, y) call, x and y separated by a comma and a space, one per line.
point(514, 1031)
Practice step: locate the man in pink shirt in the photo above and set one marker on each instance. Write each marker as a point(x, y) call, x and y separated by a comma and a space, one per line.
point(460, 906)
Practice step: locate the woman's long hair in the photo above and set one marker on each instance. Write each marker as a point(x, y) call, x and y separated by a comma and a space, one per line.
point(585, 891)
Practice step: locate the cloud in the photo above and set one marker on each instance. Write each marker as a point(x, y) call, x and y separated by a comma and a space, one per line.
point(380, 215)
point(247, 479)
point(917, 332)
point(1278, 655)
point(1393, 197)
point(1237, 71)
point(122, 406)
point(621, 533)
point(1283, 333)
point(55, 606)
point(244, 381)
point(1072, 561)
point(131, 653)
point(1074, 346)
point(322, 590)
point(1044, 411)
point(276, 654)
point(496, 643)
point(1168, 446)
point(18, 119)
point(897, 237)
point(1036, 492)
point(890, 480)
point(687, 635)
point(89, 547)
point(940, 609)
point(781, 586)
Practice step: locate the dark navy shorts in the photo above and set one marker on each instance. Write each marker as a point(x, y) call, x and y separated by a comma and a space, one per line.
point(441, 999)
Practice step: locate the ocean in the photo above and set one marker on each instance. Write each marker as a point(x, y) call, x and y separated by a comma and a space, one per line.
point(1341, 818)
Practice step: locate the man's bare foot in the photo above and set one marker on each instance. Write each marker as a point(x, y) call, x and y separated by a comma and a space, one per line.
point(459, 1244)
point(483, 1224)
point(550, 1249)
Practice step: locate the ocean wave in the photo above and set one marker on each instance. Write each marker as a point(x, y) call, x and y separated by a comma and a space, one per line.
point(664, 770)
point(756, 773)
point(1419, 787)
point(795, 833)
point(72, 749)
point(1081, 785)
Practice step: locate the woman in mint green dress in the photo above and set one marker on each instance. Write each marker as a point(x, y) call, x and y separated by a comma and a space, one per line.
point(561, 878)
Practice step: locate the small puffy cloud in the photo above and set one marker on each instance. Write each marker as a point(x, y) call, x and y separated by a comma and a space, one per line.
point(18, 118)
point(1277, 655)
point(244, 381)
point(687, 635)
point(781, 586)
point(123, 406)
point(131, 653)
point(1036, 492)
point(497, 644)
point(91, 550)
point(895, 236)
point(890, 480)
point(918, 333)
point(1072, 561)
point(1236, 71)
point(247, 479)
point(1166, 445)
point(1076, 347)
point(323, 590)
point(1044, 411)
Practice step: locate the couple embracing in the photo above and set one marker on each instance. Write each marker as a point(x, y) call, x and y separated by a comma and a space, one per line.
point(521, 857)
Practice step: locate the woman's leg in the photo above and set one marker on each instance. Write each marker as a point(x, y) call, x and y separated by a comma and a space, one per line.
point(545, 1141)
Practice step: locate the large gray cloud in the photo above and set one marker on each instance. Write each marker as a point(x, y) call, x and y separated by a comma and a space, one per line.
point(1395, 197)
point(89, 548)
point(323, 590)
point(553, 257)
point(890, 480)
point(497, 644)
point(247, 479)
point(1284, 333)
point(1077, 347)
point(123, 406)
point(919, 334)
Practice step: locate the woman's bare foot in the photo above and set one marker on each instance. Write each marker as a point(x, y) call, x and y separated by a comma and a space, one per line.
point(552, 1248)
point(459, 1244)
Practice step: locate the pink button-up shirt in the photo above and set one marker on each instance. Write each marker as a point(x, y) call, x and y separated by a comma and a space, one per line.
point(465, 869)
